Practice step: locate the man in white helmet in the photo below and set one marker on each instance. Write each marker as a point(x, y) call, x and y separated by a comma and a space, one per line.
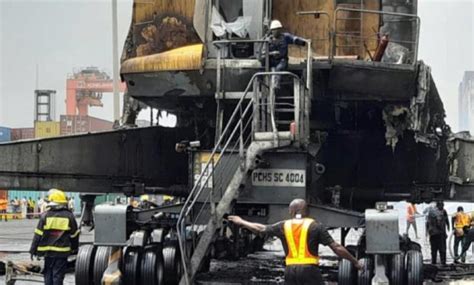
point(278, 47)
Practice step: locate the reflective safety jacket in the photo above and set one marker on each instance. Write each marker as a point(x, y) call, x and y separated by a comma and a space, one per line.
point(411, 211)
point(57, 234)
point(3, 204)
point(296, 235)
point(462, 220)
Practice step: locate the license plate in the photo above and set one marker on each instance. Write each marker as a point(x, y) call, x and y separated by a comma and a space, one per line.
point(279, 177)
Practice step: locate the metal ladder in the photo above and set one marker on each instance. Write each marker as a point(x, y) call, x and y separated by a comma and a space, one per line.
point(251, 130)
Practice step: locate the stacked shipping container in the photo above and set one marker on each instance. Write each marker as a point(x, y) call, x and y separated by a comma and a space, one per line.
point(5, 134)
point(47, 129)
point(82, 124)
point(22, 134)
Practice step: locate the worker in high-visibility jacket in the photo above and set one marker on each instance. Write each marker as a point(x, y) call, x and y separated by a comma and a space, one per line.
point(461, 222)
point(300, 237)
point(411, 218)
point(3, 208)
point(56, 237)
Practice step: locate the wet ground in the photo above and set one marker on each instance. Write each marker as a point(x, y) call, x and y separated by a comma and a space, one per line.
point(260, 268)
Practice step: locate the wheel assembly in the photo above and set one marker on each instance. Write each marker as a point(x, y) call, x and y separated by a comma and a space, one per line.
point(172, 264)
point(397, 269)
point(152, 267)
point(84, 264)
point(131, 266)
point(346, 273)
point(414, 262)
point(101, 261)
point(365, 277)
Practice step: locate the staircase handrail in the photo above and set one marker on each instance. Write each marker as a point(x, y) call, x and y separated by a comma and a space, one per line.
point(199, 184)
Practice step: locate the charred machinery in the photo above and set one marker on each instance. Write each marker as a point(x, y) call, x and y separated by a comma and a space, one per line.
point(357, 119)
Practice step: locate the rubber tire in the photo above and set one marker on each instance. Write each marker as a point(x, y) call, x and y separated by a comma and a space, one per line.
point(84, 265)
point(131, 266)
point(365, 277)
point(397, 269)
point(414, 267)
point(152, 268)
point(172, 265)
point(101, 261)
point(346, 273)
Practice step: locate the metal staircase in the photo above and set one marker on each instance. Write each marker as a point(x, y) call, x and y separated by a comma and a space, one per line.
point(251, 130)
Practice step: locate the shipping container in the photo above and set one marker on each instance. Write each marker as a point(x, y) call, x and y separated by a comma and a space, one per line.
point(5, 134)
point(83, 124)
point(47, 129)
point(22, 134)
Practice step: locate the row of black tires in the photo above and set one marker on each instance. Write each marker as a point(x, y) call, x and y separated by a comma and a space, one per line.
point(403, 269)
point(139, 266)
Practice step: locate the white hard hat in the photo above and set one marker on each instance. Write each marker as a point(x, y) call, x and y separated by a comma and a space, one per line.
point(275, 24)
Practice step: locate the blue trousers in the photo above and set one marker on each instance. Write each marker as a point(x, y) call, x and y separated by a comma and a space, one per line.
point(54, 270)
point(279, 65)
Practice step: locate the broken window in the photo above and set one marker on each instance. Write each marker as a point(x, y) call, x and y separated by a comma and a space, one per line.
point(228, 20)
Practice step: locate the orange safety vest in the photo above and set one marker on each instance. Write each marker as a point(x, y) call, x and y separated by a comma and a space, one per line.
point(296, 234)
point(411, 210)
point(461, 220)
point(3, 204)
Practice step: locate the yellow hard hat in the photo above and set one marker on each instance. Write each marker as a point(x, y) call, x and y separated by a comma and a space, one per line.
point(57, 196)
point(167, 198)
point(144, 198)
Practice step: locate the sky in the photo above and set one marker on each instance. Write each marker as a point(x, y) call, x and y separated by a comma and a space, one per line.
point(62, 35)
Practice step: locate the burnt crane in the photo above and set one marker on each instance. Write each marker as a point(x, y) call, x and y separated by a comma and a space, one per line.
point(357, 120)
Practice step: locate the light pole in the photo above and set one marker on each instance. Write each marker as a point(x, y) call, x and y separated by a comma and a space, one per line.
point(115, 62)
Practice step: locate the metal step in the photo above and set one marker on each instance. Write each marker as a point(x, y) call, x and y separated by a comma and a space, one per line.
point(268, 136)
point(231, 95)
point(284, 110)
point(284, 122)
point(284, 104)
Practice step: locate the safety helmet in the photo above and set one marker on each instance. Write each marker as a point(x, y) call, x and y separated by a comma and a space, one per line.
point(56, 196)
point(275, 24)
point(144, 198)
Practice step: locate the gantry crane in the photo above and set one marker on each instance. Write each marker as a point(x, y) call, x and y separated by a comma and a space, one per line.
point(85, 88)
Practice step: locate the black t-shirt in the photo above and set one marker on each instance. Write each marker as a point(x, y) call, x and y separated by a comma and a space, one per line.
point(317, 234)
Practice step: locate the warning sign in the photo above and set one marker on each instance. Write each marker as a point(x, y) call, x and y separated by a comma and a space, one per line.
point(279, 177)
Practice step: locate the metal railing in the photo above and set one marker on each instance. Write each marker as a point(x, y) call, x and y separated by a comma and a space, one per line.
point(235, 138)
point(353, 36)
point(326, 15)
point(335, 35)
point(220, 69)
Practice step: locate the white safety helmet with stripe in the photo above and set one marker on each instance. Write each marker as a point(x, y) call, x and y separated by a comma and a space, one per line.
point(275, 24)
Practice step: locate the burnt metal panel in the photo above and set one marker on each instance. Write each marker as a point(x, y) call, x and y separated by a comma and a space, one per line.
point(381, 81)
point(461, 148)
point(98, 162)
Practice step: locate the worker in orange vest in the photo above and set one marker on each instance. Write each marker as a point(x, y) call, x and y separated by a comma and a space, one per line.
point(3, 208)
point(301, 237)
point(461, 223)
point(411, 218)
